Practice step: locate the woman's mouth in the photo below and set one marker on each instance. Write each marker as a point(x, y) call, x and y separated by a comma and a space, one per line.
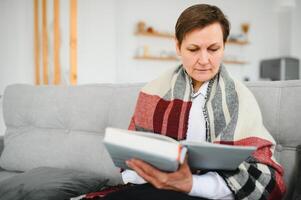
point(202, 70)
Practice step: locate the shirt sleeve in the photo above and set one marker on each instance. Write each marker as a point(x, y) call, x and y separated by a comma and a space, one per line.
point(130, 176)
point(210, 185)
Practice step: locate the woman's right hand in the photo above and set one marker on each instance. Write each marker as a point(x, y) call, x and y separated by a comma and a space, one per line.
point(180, 180)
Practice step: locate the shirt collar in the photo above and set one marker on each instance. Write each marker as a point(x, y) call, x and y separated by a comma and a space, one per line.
point(202, 90)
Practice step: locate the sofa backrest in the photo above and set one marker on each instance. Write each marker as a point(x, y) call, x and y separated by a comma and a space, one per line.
point(280, 103)
point(87, 107)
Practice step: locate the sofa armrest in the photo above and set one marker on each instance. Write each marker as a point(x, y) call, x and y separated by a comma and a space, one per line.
point(1, 144)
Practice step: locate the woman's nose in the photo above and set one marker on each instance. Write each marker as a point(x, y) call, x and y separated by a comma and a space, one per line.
point(203, 58)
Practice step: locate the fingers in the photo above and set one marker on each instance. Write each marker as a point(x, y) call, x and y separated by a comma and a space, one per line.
point(143, 168)
point(148, 172)
point(139, 168)
point(180, 180)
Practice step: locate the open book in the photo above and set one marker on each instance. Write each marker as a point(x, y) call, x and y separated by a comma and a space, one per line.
point(166, 153)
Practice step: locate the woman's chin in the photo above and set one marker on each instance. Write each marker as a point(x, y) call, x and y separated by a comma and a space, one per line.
point(202, 77)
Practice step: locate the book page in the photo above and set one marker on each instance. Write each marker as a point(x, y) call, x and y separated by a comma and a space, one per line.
point(146, 134)
point(215, 145)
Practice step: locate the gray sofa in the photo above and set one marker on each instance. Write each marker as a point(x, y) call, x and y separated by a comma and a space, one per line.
point(63, 126)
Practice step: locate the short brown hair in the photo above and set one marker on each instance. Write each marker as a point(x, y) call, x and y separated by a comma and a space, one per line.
point(200, 16)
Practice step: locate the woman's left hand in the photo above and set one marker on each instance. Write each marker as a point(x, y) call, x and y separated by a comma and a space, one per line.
point(180, 180)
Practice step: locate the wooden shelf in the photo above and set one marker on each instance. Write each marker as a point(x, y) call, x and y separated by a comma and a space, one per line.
point(236, 62)
point(156, 58)
point(231, 42)
point(168, 35)
point(171, 36)
point(155, 34)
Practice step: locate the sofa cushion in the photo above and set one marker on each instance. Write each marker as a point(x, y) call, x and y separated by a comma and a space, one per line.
point(30, 148)
point(49, 183)
point(7, 174)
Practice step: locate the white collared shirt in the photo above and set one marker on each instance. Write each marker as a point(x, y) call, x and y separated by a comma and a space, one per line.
point(209, 185)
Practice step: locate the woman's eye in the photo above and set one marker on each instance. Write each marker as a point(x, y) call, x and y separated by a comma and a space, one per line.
point(215, 49)
point(192, 50)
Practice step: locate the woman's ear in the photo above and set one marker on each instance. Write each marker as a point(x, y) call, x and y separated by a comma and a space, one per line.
point(178, 48)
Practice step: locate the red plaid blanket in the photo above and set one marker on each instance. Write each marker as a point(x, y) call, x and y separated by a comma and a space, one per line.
point(102, 193)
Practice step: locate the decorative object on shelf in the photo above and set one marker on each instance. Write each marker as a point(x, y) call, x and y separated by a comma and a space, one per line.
point(246, 78)
point(150, 30)
point(140, 26)
point(142, 51)
point(145, 50)
point(245, 27)
point(164, 54)
point(237, 39)
point(144, 30)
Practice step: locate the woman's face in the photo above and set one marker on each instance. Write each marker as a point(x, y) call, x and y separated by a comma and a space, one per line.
point(201, 52)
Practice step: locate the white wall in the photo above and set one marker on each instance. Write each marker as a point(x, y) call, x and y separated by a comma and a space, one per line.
point(16, 42)
point(96, 41)
point(16, 45)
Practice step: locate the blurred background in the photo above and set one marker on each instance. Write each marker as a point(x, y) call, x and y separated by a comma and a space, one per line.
point(66, 42)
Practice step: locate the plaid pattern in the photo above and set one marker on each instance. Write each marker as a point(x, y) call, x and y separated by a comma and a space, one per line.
point(102, 193)
point(232, 117)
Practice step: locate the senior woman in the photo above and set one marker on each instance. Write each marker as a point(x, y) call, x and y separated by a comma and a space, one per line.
point(199, 100)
